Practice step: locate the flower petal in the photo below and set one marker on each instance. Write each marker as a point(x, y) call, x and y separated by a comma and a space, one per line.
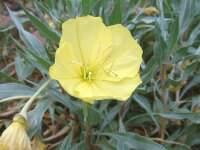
point(69, 34)
point(99, 90)
point(120, 90)
point(66, 66)
point(126, 53)
point(15, 137)
point(88, 36)
point(78, 88)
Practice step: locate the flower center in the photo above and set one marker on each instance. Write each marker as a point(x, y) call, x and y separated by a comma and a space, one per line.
point(98, 66)
point(86, 73)
point(95, 72)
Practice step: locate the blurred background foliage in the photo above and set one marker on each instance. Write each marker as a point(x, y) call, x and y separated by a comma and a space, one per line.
point(163, 113)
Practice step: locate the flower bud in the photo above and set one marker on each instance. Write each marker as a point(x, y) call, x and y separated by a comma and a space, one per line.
point(15, 136)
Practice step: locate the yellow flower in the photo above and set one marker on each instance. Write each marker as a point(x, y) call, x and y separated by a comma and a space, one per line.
point(151, 10)
point(148, 10)
point(37, 144)
point(96, 62)
point(15, 137)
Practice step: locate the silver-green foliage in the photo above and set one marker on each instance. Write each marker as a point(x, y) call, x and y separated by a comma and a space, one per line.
point(174, 33)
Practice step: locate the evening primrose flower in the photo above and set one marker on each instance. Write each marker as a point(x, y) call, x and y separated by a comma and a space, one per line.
point(96, 62)
point(15, 137)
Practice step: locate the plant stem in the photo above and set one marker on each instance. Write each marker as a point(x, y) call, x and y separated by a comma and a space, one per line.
point(85, 114)
point(164, 94)
point(164, 99)
point(88, 131)
point(13, 98)
point(31, 100)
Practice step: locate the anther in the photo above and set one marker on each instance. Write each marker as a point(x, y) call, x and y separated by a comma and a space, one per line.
point(89, 74)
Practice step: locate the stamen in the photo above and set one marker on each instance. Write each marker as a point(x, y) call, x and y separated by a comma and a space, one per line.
point(75, 62)
point(114, 73)
point(105, 59)
point(98, 52)
point(107, 47)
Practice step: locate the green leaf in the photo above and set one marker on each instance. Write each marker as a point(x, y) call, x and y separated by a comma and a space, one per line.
point(116, 16)
point(121, 145)
point(180, 116)
point(160, 46)
point(14, 89)
point(93, 117)
point(21, 20)
point(195, 81)
point(113, 111)
point(104, 144)
point(78, 146)
point(70, 8)
point(37, 114)
point(146, 74)
point(121, 126)
point(103, 106)
point(30, 40)
point(179, 54)
point(66, 143)
point(135, 141)
point(76, 7)
point(33, 62)
point(143, 102)
point(42, 7)
point(49, 3)
point(174, 34)
point(87, 6)
point(130, 11)
point(9, 77)
point(193, 35)
point(23, 70)
point(44, 20)
point(186, 15)
point(139, 119)
point(65, 100)
point(45, 64)
point(189, 70)
point(161, 18)
point(42, 28)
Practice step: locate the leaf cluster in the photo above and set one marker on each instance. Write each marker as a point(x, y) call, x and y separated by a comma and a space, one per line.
point(163, 113)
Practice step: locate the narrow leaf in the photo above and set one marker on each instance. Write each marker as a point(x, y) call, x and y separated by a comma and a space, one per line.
point(42, 61)
point(174, 34)
point(30, 40)
point(135, 141)
point(9, 77)
point(42, 28)
point(116, 16)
